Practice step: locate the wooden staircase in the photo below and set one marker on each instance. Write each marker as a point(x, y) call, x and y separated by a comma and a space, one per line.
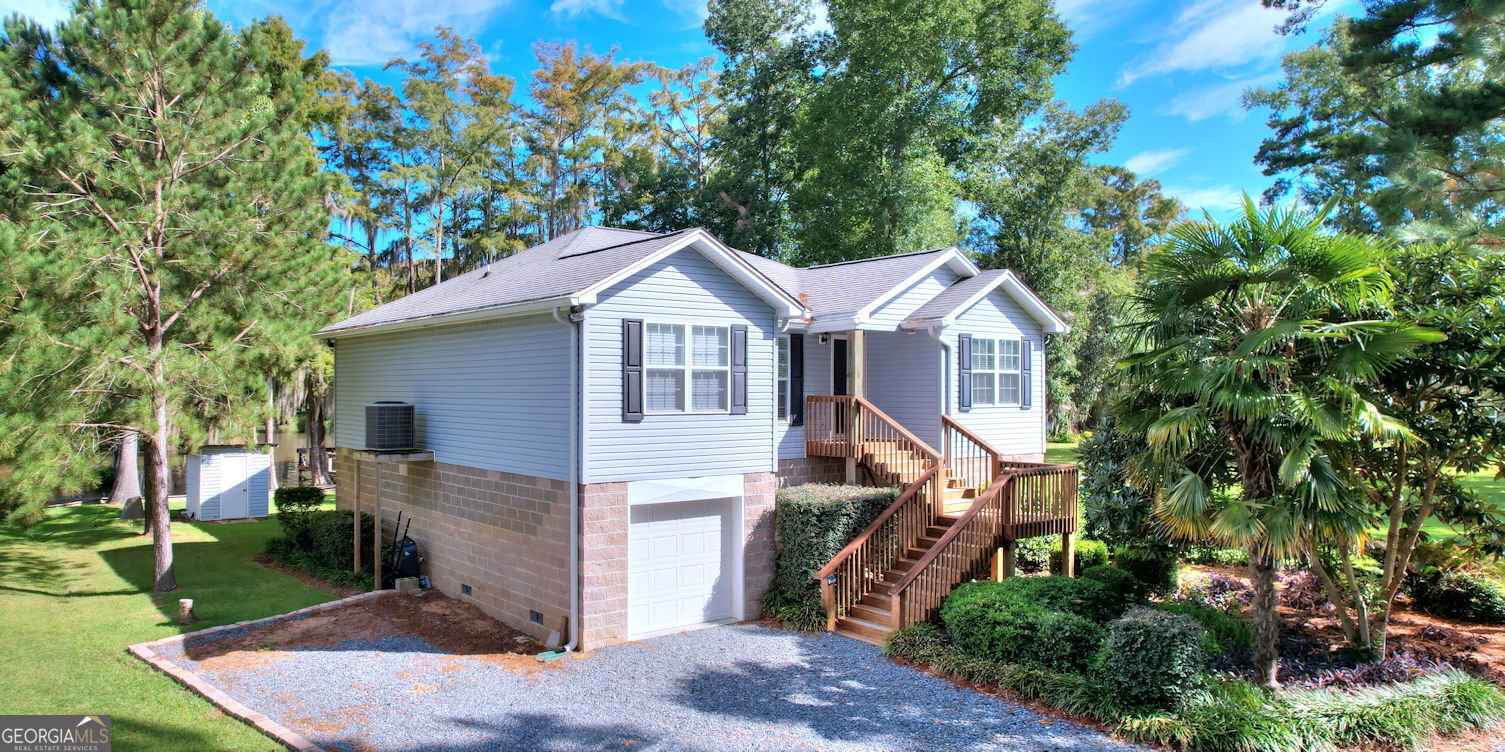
point(956, 518)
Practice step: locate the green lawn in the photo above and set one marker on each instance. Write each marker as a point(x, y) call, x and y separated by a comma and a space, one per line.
point(1063, 452)
point(74, 592)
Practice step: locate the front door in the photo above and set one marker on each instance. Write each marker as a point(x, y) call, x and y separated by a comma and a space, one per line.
point(839, 380)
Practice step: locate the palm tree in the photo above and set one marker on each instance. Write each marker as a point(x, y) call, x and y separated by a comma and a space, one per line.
point(1253, 338)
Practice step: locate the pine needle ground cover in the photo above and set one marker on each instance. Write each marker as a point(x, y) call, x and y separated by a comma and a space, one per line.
point(75, 593)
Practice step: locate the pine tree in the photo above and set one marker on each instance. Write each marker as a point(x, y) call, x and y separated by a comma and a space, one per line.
point(172, 240)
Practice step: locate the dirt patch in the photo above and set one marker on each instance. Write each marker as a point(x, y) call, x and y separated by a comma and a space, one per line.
point(456, 628)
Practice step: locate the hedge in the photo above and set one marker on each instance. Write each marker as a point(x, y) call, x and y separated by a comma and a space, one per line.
point(319, 542)
point(1086, 553)
point(1457, 595)
point(1153, 659)
point(1156, 568)
point(813, 523)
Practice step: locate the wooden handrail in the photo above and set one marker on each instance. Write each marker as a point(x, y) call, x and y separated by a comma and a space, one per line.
point(883, 517)
point(869, 407)
point(1024, 500)
point(950, 422)
point(956, 529)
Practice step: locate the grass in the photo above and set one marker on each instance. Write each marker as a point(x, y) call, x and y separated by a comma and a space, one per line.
point(1062, 452)
point(75, 591)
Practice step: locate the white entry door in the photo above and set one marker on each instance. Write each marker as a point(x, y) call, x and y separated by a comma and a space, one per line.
point(679, 567)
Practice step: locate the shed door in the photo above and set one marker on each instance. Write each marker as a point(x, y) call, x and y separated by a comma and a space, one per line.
point(235, 479)
point(679, 566)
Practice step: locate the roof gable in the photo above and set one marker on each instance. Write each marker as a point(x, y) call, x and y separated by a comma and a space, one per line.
point(943, 309)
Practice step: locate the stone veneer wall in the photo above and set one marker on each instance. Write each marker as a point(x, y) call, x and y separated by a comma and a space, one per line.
point(504, 535)
point(801, 470)
point(603, 567)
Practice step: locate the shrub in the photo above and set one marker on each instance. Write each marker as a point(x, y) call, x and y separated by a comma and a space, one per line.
point(813, 523)
point(1113, 510)
point(1224, 631)
point(1065, 642)
point(1086, 553)
point(1154, 567)
point(295, 505)
point(1152, 658)
point(798, 611)
point(1033, 555)
point(1457, 595)
point(1211, 554)
point(1114, 579)
point(319, 542)
point(1050, 622)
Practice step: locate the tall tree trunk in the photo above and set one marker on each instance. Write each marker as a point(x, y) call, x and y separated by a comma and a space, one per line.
point(271, 437)
point(318, 464)
point(1266, 622)
point(127, 473)
point(164, 578)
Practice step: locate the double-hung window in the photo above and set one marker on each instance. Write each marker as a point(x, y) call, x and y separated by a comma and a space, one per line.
point(688, 368)
point(783, 378)
point(996, 369)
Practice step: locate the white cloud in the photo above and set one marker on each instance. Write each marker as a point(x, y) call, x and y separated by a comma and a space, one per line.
point(1214, 199)
point(1148, 163)
point(1211, 101)
point(693, 10)
point(572, 9)
point(45, 12)
point(1211, 35)
point(1088, 17)
point(371, 32)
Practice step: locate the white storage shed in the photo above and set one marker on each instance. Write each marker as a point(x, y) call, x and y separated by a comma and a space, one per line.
point(228, 483)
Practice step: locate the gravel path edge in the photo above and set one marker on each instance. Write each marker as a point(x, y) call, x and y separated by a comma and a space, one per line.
point(147, 652)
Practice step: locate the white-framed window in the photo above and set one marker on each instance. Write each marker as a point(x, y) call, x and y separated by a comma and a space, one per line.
point(687, 368)
point(984, 367)
point(996, 371)
point(783, 378)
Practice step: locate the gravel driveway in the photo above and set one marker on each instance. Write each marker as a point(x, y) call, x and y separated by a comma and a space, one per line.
point(741, 687)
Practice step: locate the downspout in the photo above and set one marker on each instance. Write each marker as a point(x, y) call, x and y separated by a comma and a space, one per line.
point(573, 322)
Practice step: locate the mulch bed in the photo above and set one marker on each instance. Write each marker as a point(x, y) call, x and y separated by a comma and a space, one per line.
point(1311, 635)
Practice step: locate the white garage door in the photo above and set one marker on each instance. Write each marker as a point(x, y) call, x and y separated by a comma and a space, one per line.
point(679, 565)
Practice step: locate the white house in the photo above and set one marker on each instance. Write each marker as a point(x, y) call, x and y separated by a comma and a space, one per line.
point(604, 418)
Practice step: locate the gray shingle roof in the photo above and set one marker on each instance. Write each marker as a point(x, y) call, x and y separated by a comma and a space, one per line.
point(846, 288)
point(571, 263)
point(563, 266)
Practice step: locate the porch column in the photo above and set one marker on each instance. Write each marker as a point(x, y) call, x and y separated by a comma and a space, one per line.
point(857, 362)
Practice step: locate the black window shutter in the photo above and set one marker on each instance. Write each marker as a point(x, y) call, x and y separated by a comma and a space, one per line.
point(796, 379)
point(964, 372)
point(739, 369)
point(1025, 356)
point(632, 370)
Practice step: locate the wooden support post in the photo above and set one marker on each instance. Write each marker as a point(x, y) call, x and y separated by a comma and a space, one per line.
point(355, 507)
point(828, 602)
point(1003, 561)
point(1068, 556)
point(857, 361)
point(376, 537)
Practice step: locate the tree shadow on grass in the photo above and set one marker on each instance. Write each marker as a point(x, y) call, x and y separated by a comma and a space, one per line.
point(81, 527)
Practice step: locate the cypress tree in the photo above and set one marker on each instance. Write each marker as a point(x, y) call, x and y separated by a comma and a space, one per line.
point(167, 239)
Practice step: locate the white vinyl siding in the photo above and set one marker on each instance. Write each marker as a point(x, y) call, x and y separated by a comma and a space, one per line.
point(888, 316)
point(492, 395)
point(1014, 430)
point(904, 380)
point(685, 288)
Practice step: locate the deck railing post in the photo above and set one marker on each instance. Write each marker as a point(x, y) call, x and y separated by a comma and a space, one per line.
point(828, 602)
point(1068, 555)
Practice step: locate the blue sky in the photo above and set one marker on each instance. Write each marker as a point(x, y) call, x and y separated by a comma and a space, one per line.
point(1179, 65)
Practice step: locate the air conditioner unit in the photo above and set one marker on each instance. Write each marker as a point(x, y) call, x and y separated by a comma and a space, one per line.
point(389, 427)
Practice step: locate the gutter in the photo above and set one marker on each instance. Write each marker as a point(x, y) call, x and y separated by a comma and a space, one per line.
point(573, 322)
